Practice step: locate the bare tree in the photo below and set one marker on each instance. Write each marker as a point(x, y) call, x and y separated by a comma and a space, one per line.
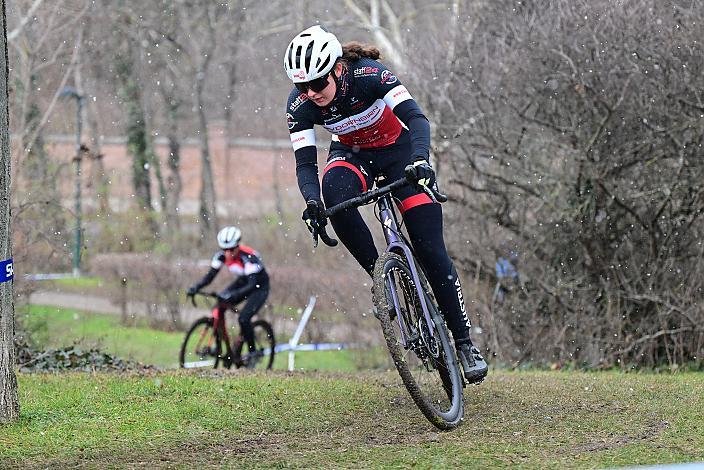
point(138, 138)
point(199, 23)
point(231, 44)
point(44, 56)
point(9, 402)
point(385, 25)
point(171, 95)
point(575, 133)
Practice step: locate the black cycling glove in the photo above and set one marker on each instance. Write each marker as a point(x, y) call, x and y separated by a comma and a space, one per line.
point(314, 217)
point(420, 173)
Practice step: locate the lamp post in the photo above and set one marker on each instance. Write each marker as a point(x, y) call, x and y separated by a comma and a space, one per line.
point(69, 92)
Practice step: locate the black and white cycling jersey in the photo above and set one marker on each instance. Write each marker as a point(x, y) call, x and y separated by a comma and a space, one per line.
point(367, 113)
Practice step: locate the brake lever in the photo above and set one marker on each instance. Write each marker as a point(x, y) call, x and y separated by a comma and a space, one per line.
point(434, 195)
point(314, 233)
point(429, 192)
point(324, 237)
point(327, 239)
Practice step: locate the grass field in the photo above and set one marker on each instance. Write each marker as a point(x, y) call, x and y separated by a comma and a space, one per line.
point(196, 419)
point(53, 327)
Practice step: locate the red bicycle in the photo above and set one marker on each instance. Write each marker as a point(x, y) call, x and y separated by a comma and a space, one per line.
point(207, 342)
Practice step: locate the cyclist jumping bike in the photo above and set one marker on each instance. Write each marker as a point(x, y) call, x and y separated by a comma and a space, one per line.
point(377, 128)
point(251, 282)
point(414, 329)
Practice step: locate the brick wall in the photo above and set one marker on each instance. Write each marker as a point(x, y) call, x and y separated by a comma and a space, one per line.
point(247, 190)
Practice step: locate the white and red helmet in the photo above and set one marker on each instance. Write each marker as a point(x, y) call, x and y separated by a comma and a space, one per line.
point(311, 54)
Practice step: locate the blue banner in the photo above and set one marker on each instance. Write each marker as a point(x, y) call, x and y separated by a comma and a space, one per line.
point(7, 272)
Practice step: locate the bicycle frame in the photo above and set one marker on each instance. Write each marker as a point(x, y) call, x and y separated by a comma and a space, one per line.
point(220, 324)
point(396, 243)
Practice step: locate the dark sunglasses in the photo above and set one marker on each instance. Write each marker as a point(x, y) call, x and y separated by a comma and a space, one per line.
point(317, 85)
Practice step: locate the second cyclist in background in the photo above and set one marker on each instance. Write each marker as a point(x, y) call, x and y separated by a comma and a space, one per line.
point(251, 282)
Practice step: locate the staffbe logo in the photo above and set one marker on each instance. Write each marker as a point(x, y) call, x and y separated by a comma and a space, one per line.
point(365, 71)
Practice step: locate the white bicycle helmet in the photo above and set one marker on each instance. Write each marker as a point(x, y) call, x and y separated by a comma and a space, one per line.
point(311, 54)
point(229, 237)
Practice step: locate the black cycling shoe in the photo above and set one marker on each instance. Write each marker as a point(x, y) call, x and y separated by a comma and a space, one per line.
point(474, 365)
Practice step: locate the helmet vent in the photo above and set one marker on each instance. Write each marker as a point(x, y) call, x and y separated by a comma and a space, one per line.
point(322, 48)
point(324, 64)
point(309, 52)
point(299, 49)
point(290, 57)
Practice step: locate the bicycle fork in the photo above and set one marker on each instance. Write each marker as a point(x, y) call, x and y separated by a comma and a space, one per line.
point(395, 243)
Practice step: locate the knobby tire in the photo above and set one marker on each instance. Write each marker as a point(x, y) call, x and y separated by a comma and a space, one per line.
point(204, 322)
point(262, 331)
point(447, 366)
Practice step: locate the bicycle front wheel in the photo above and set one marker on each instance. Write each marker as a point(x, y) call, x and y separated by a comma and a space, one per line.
point(202, 346)
point(422, 352)
point(265, 345)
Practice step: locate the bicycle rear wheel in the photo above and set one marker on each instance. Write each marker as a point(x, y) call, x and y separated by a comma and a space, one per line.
point(425, 360)
point(265, 343)
point(202, 346)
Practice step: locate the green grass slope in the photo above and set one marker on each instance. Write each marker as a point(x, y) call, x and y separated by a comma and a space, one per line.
point(197, 418)
point(53, 327)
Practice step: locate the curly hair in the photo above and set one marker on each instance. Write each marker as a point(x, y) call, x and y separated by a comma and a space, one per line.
point(354, 50)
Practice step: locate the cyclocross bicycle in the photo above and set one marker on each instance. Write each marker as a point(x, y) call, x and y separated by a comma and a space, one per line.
point(207, 343)
point(415, 331)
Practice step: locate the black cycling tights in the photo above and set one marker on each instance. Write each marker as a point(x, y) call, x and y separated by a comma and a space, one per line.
point(424, 225)
point(254, 301)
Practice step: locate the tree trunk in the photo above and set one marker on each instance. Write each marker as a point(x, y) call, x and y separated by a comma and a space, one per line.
point(173, 180)
point(207, 193)
point(137, 145)
point(9, 402)
point(98, 179)
point(233, 45)
point(231, 84)
point(386, 34)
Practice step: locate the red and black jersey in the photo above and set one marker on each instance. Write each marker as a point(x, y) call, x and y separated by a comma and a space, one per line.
point(245, 263)
point(367, 113)
point(361, 113)
point(246, 267)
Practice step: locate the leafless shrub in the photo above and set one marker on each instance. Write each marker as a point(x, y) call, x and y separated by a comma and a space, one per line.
point(577, 138)
point(152, 279)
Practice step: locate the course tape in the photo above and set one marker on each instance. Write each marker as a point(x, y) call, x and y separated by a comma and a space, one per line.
point(7, 272)
point(47, 277)
point(312, 347)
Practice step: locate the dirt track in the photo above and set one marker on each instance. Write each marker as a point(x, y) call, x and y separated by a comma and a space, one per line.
point(97, 304)
point(322, 331)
